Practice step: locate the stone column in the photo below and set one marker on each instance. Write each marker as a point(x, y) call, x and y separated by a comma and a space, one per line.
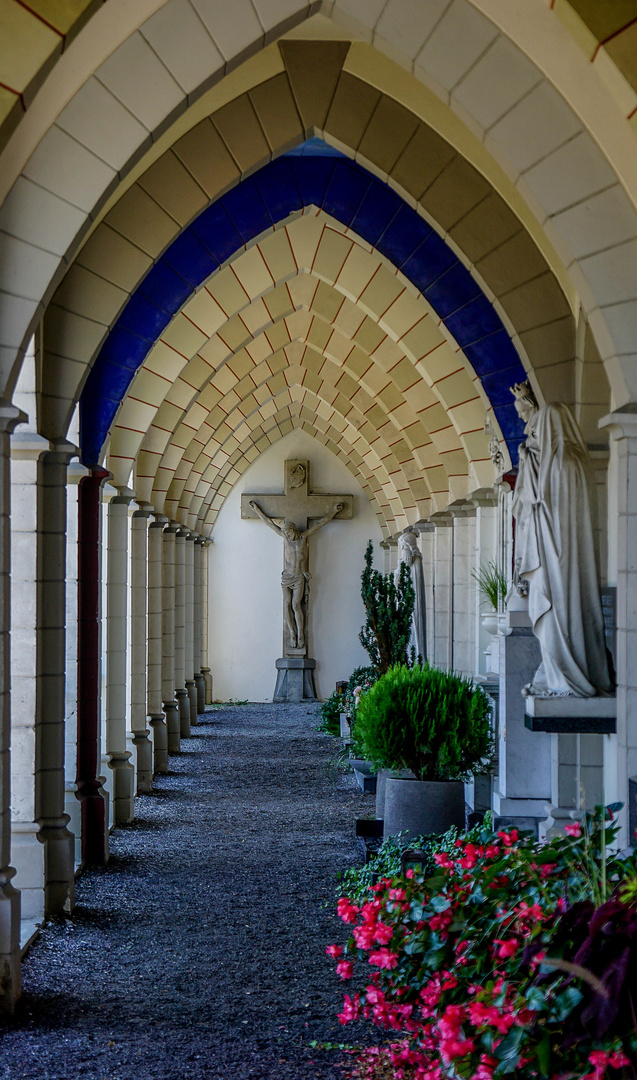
point(26, 851)
point(171, 708)
point(189, 614)
point(443, 591)
point(75, 473)
point(199, 679)
point(205, 668)
point(621, 758)
point(10, 987)
point(155, 648)
point(116, 658)
point(462, 588)
point(181, 692)
point(58, 841)
point(90, 793)
point(484, 618)
point(139, 648)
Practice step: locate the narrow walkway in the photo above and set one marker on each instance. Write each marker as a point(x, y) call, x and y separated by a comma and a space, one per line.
point(200, 951)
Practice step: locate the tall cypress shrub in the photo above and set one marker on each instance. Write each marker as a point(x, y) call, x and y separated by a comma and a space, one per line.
point(389, 606)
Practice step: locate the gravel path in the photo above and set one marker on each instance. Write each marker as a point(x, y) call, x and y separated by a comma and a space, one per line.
point(200, 951)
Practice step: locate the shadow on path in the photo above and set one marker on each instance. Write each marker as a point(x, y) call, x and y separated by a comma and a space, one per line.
point(200, 951)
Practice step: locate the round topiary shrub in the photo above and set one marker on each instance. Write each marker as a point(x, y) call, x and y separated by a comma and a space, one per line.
point(434, 722)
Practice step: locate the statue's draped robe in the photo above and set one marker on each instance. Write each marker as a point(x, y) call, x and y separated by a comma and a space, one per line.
point(555, 551)
point(410, 554)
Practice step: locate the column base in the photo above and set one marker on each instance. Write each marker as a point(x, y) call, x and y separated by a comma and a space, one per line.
point(191, 687)
point(183, 702)
point(10, 978)
point(160, 743)
point(93, 800)
point(173, 727)
point(207, 678)
point(144, 759)
point(59, 865)
point(123, 787)
point(295, 679)
point(27, 856)
point(200, 683)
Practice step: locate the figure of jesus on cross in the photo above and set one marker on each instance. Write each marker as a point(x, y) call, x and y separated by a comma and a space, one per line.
point(295, 577)
point(296, 515)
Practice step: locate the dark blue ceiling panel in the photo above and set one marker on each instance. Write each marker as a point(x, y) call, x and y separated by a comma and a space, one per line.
point(322, 177)
point(165, 287)
point(191, 259)
point(247, 209)
point(374, 214)
point(278, 189)
point(429, 261)
point(217, 232)
point(345, 192)
point(452, 291)
point(403, 236)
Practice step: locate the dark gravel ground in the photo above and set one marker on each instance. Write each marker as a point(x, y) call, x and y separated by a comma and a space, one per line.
point(199, 952)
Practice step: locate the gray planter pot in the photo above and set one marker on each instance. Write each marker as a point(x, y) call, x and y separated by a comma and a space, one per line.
point(423, 806)
point(381, 782)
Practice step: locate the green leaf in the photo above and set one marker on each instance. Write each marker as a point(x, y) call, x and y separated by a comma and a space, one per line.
point(535, 999)
point(510, 1045)
point(567, 1001)
point(543, 1052)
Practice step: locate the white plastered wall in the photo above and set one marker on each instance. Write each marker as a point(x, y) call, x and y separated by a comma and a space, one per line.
point(246, 558)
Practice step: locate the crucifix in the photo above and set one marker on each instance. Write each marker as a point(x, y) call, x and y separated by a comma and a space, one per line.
point(301, 513)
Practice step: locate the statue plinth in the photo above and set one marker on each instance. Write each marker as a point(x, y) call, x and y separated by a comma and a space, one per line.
point(295, 679)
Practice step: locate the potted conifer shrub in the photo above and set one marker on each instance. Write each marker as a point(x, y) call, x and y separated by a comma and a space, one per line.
point(434, 723)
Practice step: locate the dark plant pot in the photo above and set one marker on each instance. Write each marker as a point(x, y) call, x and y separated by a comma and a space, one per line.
point(419, 807)
point(381, 781)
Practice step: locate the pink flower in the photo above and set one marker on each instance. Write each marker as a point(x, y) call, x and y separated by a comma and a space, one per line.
point(410, 874)
point(618, 1060)
point(442, 859)
point(347, 910)
point(509, 837)
point(383, 933)
point(384, 958)
point(351, 1009)
point(573, 830)
point(345, 969)
point(334, 951)
point(507, 949)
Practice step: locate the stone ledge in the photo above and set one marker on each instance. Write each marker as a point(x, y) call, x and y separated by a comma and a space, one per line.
point(572, 715)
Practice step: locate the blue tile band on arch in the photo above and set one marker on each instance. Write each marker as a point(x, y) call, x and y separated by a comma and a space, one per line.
point(342, 188)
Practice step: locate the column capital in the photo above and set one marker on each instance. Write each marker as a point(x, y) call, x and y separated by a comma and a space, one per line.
point(27, 445)
point(160, 521)
point(10, 417)
point(60, 452)
point(172, 527)
point(622, 422)
point(483, 497)
point(125, 495)
point(144, 509)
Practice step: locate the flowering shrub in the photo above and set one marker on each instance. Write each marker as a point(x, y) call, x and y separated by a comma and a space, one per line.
point(502, 962)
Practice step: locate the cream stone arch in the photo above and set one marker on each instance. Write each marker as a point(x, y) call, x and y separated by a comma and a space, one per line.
point(410, 370)
point(580, 128)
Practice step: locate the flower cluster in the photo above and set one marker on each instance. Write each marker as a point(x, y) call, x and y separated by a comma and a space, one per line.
point(500, 963)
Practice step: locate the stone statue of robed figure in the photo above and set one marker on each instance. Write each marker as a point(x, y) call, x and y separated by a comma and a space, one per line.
point(555, 551)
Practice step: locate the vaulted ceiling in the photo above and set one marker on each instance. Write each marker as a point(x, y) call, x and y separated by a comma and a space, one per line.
point(251, 216)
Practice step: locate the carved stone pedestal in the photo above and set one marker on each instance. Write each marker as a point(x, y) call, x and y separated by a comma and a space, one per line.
point(295, 679)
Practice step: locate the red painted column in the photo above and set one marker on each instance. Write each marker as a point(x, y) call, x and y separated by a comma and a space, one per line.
point(89, 789)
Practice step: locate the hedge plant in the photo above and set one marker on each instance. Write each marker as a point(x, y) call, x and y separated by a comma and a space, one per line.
point(434, 722)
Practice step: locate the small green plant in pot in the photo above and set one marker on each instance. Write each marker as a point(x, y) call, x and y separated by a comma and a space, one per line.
point(435, 723)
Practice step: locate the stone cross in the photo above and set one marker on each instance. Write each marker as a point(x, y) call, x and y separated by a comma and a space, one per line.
point(295, 509)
